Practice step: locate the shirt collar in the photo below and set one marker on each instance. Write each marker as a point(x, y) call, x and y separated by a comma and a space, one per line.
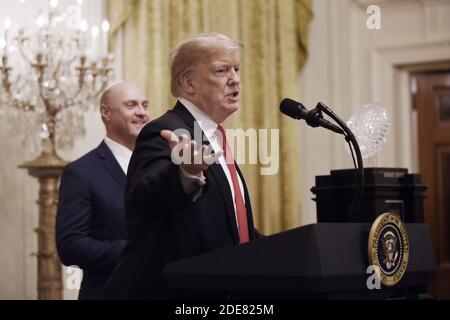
point(207, 125)
point(120, 152)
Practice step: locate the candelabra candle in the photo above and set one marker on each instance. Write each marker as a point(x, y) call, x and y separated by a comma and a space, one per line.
point(105, 28)
point(7, 25)
point(55, 81)
point(2, 47)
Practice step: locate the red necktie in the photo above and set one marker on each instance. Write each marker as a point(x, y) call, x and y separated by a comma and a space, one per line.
point(241, 211)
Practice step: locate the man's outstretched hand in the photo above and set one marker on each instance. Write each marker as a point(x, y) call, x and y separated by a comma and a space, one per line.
point(184, 153)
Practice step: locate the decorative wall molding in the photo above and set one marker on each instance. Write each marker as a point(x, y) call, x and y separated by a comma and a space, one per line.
point(416, 53)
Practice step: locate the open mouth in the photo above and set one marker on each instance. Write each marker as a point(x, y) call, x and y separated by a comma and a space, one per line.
point(234, 94)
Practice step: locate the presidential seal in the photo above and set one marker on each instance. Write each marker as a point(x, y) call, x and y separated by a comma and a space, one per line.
point(389, 248)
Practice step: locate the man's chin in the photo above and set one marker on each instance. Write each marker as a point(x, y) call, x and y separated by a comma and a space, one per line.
point(229, 110)
point(232, 107)
point(136, 129)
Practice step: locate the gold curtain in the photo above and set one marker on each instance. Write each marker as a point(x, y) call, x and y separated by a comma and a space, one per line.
point(274, 33)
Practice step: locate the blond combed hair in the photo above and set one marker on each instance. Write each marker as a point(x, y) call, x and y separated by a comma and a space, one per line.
point(193, 50)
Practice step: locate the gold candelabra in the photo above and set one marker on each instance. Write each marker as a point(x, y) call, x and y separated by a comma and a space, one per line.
point(50, 77)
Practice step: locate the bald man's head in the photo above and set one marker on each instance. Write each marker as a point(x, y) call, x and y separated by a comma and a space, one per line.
point(124, 111)
point(115, 89)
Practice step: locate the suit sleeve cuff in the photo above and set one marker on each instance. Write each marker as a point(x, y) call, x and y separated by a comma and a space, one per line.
point(192, 184)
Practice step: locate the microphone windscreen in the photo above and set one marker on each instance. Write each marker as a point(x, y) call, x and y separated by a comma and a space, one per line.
point(290, 108)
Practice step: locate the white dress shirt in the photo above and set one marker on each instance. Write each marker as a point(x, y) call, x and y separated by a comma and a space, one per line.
point(209, 127)
point(120, 152)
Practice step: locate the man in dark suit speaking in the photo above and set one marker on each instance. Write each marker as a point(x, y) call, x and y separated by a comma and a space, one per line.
point(175, 208)
point(90, 221)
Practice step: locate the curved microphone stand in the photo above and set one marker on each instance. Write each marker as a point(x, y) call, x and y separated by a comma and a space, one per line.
point(349, 137)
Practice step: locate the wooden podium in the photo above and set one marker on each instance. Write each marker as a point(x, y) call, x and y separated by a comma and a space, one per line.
point(327, 260)
point(318, 261)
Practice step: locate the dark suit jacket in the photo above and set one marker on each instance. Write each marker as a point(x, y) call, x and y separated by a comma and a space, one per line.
point(90, 221)
point(164, 224)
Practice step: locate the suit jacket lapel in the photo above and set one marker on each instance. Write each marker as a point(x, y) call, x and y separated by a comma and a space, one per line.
point(221, 180)
point(110, 163)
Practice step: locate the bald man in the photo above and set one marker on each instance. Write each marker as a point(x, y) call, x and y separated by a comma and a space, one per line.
point(90, 221)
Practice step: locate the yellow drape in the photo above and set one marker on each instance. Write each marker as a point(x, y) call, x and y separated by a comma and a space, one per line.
point(274, 33)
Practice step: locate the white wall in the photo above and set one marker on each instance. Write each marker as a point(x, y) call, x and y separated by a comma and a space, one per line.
point(18, 191)
point(350, 65)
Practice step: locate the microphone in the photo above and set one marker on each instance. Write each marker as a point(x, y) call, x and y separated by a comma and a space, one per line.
point(312, 117)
